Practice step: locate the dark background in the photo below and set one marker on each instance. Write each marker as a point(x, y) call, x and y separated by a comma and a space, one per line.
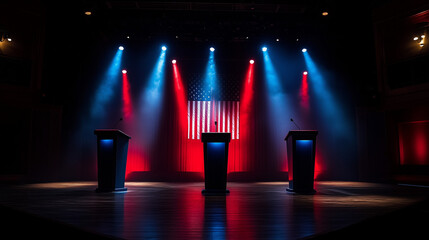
point(58, 55)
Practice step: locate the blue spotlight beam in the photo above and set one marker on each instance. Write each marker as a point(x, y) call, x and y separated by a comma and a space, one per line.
point(330, 107)
point(106, 89)
point(277, 106)
point(152, 99)
point(210, 79)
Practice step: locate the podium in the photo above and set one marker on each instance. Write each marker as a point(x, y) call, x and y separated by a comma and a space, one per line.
point(112, 148)
point(215, 162)
point(301, 152)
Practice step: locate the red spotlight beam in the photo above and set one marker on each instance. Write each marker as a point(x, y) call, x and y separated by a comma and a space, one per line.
point(180, 99)
point(127, 108)
point(303, 93)
point(246, 124)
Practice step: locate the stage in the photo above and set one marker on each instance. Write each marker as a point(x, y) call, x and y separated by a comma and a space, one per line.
point(259, 210)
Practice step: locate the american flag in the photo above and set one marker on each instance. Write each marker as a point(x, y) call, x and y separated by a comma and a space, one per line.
point(207, 105)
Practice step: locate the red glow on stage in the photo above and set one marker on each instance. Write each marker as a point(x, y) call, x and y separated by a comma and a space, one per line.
point(421, 147)
point(195, 157)
point(136, 159)
point(317, 166)
point(414, 143)
point(126, 97)
point(303, 92)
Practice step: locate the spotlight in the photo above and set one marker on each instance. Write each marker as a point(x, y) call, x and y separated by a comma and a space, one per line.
point(304, 50)
point(305, 73)
point(88, 13)
point(164, 48)
point(277, 39)
point(9, 39)
point(124, 71)
point(173, 61)
point(121, 48)
point(416, 38)
point(212, 49)
point(264, 49)
point(325, 13)
point(251, 61)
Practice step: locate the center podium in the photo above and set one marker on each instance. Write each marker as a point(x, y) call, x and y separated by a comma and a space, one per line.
point(215, 162)
point(301, 152)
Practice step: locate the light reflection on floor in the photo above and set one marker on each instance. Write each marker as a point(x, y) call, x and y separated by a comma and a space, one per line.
point(178, 210)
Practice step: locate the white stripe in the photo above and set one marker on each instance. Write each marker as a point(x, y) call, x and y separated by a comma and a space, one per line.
point(233, 120)
point(218, 116)
point(229, 116)
point(208, 116)
point(198, 118)
point(223, 116)
point(193, 119)
point(204, 117)
point(238, 119)
point(189, 117)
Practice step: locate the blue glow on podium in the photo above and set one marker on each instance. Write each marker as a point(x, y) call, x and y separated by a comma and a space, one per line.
point(216, 145)
point(106, 142)
point(304, 143)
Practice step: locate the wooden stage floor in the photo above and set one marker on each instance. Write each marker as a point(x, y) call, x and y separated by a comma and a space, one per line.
point(261, 210)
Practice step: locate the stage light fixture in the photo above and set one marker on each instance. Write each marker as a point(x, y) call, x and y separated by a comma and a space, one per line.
point(305, 73)
point(121, 48)
point(164, 48)
point(304, 50)
point(124, 71)
point(325, 13)
point(252, 61)
point(173, 61)
point(416, 38)
point(88, 13)
point(212, 49)
point(264, 49)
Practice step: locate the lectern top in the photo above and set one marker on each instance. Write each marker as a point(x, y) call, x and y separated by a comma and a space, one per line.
point(110, 133)
point(215, 137)
point(302, 133)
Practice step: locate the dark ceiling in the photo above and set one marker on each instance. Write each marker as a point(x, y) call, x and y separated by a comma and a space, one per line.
point(220, 21)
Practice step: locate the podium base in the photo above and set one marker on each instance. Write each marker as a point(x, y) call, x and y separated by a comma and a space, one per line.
point(101, 190)
point(215, 192)
point(306, 191)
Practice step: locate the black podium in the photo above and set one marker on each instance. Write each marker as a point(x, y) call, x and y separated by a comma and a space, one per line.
point(215, 162)
point(301, 152)
point(112, 148)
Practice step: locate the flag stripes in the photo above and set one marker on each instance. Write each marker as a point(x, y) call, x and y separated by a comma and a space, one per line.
point(203, 114)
